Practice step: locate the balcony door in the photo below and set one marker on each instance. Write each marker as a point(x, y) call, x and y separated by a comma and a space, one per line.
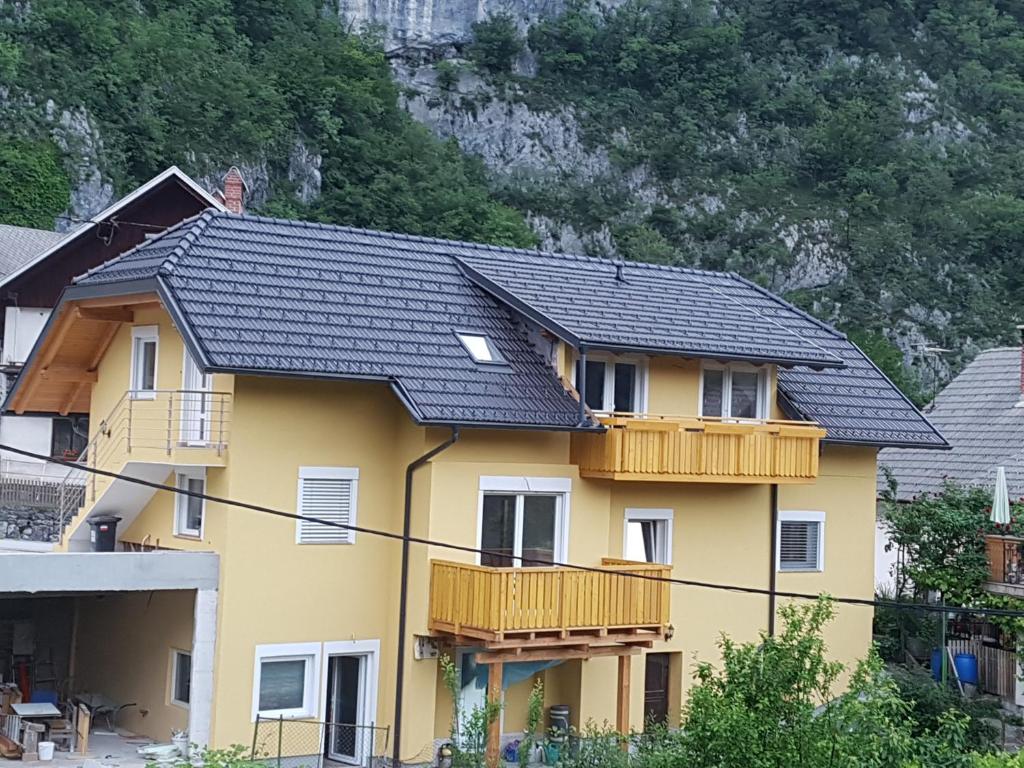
point(521, 529)
point(195, 404)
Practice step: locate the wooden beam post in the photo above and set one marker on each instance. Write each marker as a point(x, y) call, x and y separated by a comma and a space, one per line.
point(495, 671)
point(622, 700)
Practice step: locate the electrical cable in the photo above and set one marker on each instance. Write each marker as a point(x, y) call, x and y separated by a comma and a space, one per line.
point(857, 601)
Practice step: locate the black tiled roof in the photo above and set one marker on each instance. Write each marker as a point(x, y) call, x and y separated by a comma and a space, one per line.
point(268, 295)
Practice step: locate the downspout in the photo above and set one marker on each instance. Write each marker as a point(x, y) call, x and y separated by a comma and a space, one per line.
point(403, 597)
point(581, 385)
point(773, 495)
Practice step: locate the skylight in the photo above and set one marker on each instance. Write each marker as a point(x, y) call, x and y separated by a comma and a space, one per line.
point(480, 347)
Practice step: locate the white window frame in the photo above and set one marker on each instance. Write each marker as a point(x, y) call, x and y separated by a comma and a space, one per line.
point(496, 358)
point(172, 693)
point(181, 478)
point(328, 473)
point(638, 514)
point(142, 334)
point(370, 650)
point(559, 487)
point(311, 653)
point(798, 516)
point(763, 372)
point(640, 384)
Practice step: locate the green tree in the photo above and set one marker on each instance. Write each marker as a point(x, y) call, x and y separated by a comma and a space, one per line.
point(34, 187)
point(496, 43)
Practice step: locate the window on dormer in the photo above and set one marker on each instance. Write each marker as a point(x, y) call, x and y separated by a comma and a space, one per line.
point(613, 384)
point(734, 391)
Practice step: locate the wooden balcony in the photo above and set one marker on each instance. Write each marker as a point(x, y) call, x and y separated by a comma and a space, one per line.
point(568, 613)
point(1005, 565)
point(699, 450)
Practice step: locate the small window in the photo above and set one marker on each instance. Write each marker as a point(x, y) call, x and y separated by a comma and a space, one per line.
point(801, 541)
point(481, 348)
point(734, 392)
point(284, 684)
point(328, 494)
point(181, 677)
point(144, 357)
point(188, 510)
point(69, 437)
point(613, 384)
point(647, 537)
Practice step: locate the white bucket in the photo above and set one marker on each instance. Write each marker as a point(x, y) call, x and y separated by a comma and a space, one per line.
point(46, 750)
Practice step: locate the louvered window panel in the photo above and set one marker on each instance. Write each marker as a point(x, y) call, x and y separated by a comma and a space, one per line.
point(799, 545)
point(326, 498)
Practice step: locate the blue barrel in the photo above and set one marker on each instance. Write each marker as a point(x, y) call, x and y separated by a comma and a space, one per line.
point(966, 667)
point(937, 665)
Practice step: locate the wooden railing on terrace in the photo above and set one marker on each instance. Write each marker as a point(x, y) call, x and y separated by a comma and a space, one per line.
point(490, 603)
point(699, 449)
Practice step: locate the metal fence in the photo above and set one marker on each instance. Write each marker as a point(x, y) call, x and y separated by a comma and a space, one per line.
point(280, 743)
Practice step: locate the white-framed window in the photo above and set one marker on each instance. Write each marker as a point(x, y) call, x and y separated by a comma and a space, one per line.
point(189, 511)
point(144, 359)
point(523, 521)
point(181, 677)
point(285, 680)
point(328, 494)
point(480, 347)
point(734, 391)
point(614, 383)
point(647, 535)
point(801, 541)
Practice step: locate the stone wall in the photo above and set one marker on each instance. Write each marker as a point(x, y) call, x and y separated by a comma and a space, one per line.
point(29, 523)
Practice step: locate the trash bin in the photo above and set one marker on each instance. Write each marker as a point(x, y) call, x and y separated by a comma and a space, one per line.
point(103, 535)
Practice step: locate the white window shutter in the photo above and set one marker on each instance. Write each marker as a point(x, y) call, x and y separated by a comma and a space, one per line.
point(799, 545)
point(331, 497)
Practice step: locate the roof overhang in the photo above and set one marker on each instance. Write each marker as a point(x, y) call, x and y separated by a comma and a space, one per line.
point(570, 337)
point(172, 174)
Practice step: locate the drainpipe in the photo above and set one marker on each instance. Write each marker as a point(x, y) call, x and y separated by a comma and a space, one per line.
point(581, 385)
point(773, 495)
point(403, 597)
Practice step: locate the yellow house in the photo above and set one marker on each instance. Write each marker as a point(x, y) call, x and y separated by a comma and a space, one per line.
point(514, 413)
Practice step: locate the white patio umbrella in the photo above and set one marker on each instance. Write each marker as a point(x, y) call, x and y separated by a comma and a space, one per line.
point(1001, 499)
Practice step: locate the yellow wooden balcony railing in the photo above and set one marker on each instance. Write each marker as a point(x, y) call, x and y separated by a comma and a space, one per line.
point(703, 450)
point(494, 603)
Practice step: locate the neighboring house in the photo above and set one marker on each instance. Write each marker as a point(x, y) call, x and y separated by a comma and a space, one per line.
point(36, 266)
point(981, 414)
point(632, 418)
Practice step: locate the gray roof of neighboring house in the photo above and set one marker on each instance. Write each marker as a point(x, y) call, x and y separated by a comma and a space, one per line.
point(268, 295)
point(980, 416)
point(19, 245)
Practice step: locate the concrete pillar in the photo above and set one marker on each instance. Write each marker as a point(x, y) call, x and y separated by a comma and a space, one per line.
point(204, 637)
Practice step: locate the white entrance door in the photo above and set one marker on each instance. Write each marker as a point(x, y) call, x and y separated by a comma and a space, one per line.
point(195, 404)
point(348, 736)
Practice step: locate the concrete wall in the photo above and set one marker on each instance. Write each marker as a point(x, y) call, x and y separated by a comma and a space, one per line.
point(123, 651)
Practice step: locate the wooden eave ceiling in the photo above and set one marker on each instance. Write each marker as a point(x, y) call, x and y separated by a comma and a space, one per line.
point(59, 378)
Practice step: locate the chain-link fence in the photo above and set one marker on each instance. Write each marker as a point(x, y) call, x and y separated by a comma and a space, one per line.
point(280, 743)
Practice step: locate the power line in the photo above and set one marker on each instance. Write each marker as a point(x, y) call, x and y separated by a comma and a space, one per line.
point(857, 601)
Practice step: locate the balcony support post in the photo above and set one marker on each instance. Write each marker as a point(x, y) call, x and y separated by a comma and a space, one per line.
point(495, 672)
point(622, 701)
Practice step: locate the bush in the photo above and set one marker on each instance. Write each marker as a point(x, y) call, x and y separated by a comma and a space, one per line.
point(496, 43)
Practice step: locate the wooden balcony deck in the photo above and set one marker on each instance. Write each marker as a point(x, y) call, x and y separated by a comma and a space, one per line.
point(581, 613)
point(700, 450)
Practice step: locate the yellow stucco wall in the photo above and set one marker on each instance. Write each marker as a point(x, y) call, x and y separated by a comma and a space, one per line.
point(275, 591)
point(123, 651)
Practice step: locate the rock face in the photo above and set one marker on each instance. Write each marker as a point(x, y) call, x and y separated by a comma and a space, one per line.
point(434, 23)
point(29, 523)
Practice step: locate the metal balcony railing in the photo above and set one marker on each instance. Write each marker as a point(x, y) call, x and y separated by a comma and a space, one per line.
point(149, 426)
point(699, 449)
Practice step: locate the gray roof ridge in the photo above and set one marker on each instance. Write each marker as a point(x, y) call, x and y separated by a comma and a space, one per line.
point(997, 349)
point(144, 244)
point(199, 223)
point(482, 246)
point(791, 306)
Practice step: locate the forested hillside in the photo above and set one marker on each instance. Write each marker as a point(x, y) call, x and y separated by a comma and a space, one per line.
point(865, 158)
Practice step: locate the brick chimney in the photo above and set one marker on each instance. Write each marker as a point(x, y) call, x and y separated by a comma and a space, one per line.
point(234, 190)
